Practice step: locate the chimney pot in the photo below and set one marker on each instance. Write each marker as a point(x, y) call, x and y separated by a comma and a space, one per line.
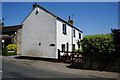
point(70, 21)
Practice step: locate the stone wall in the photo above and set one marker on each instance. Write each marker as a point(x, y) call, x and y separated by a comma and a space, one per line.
point(18, 40)
point(102, 62)
point(14, 38)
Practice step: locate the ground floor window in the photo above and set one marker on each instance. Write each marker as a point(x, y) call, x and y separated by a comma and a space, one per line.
point(63, 47)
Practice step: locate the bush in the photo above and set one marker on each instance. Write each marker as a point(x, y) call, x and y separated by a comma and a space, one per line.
point(11, 47)
point(97, 44)
point(78, 50)
point(6, 53)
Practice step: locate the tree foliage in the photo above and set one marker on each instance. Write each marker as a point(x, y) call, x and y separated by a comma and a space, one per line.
point(97, 44)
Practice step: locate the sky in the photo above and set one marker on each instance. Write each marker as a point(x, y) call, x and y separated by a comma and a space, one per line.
point(90, 17)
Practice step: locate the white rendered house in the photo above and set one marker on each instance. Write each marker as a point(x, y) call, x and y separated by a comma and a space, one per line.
point(43, 33)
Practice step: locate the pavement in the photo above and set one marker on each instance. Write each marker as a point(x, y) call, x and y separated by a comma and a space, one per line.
point(62, 67)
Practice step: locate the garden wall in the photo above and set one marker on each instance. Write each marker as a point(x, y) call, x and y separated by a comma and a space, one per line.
point(102, 62)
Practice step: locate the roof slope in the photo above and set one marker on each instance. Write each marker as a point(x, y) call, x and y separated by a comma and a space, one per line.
point(36, 5)
point(14, 28)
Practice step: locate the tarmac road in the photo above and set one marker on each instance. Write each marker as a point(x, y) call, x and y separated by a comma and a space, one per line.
point(17, 71)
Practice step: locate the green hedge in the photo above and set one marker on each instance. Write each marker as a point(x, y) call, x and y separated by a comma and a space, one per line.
point(6, 53)
point(98, 44)
point(79, 50)
point(10, 47)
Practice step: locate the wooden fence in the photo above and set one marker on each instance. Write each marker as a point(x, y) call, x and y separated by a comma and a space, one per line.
point(69, 56)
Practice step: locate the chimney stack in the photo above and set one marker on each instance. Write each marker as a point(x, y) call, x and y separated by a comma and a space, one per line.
point(70, 21)
point(35, 5)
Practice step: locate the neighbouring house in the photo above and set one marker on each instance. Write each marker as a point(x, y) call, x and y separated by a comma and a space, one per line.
point(42, 33)
point(11, 35)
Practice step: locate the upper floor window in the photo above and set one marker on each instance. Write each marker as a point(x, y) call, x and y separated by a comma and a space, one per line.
point(74, 32)
point(79, 35)
point(64, 29)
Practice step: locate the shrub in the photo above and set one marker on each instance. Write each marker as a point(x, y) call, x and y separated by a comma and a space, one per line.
point(79, 50)
point(5, 53)
point(97, 44)
point(11, 47)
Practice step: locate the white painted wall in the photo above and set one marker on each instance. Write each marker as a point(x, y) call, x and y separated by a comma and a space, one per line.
point(45, 29)
point(76, 38)
point(40, 28)
point(63, 39)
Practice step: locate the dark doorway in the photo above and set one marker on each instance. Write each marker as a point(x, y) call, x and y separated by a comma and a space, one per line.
point(73, 47)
